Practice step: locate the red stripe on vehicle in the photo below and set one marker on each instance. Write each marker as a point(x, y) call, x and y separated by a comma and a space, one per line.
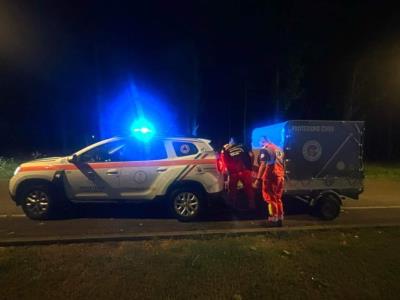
point(110, 165)
point(192, 167)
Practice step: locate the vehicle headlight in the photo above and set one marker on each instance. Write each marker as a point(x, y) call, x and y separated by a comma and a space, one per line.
point(17, 170)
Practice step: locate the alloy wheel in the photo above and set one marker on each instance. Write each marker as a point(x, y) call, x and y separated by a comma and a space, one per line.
point(37, 202)
point(186, 204)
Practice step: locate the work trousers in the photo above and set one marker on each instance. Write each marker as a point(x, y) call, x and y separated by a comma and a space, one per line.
point(272, 191)
point(246, 179)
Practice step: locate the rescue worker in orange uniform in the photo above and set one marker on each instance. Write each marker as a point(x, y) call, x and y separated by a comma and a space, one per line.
point(237, 163)
point(271, 174)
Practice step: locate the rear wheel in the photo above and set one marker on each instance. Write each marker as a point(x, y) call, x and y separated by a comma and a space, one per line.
point(328, 207)
point(187, 204)
point(37, 202)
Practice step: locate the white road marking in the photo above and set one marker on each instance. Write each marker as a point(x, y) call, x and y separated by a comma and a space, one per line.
point(12, 216)
point(370, 207)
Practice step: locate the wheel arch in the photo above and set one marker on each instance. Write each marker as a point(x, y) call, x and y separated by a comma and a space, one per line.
point(186, 183)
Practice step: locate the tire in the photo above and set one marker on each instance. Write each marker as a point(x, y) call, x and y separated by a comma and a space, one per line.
point(328, 207)
point(37, 202)
point(187, 204)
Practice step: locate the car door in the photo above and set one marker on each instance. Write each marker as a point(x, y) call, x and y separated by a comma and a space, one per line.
point(145, 163)
point(96, 174)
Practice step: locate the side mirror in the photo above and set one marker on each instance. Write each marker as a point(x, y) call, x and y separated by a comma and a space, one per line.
point(73, 159)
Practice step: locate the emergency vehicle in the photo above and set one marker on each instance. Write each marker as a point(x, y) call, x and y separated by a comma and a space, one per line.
point(182, 170)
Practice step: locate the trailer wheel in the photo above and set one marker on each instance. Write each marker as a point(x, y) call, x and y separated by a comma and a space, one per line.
point(328, 206)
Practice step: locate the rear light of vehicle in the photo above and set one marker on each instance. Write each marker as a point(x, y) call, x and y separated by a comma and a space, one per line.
point(220, 164)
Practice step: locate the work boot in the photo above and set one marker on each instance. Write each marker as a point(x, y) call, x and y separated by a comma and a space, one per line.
point(274, 224)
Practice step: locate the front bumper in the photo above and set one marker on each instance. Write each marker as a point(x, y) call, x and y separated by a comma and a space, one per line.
point(13, 198)
point(11, 190)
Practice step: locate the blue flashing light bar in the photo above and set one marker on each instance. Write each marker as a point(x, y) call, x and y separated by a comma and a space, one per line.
point(142, 129)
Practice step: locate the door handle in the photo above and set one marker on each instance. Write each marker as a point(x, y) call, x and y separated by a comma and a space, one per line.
point(162, 169)
point(112, 172)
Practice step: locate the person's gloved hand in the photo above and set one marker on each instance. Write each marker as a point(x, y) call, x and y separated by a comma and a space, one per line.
point(256, 184)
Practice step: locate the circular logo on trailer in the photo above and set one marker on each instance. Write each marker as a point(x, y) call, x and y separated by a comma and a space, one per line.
point(140, 177)
point(312, 150)
point(185, 149)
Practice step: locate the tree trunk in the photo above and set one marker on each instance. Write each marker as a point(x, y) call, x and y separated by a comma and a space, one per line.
point(389, 135)
point(349, 106)
point(245, 114)
point(277, 94)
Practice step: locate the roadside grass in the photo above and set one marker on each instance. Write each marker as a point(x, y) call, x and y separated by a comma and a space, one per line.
point(350, 264)
point(383, 170)
point(7, 167)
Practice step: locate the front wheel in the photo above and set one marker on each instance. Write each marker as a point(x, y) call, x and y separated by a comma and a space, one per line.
point(187, 204)
point(37, 202)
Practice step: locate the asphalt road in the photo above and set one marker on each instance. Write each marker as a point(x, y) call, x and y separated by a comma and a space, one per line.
point(379, 204)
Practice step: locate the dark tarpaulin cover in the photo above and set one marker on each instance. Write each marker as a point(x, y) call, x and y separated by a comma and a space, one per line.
point(319, 154)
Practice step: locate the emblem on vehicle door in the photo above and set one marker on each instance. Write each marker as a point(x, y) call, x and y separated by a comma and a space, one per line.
point(185, 149)
point(140, 177)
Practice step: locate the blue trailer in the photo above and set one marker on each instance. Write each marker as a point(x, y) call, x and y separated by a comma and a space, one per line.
point(323, 160)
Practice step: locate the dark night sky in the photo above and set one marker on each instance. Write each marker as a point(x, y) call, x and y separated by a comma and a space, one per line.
point(66, 67)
